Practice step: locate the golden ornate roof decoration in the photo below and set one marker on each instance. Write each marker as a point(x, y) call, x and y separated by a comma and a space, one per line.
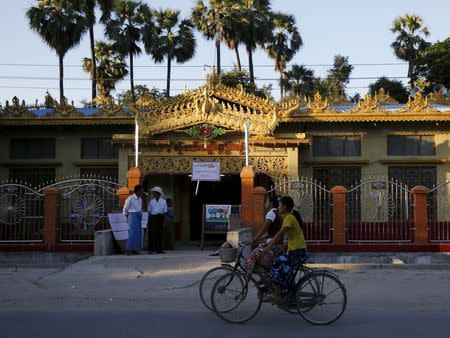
point(108, 107)
point(17, 109)
point(368, 105)
point(418, 104)
point(438, 97)
point(64, 110)
point(318, 104)
point(384, 97)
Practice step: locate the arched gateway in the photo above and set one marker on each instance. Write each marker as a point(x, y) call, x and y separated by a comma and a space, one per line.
point(207, 124)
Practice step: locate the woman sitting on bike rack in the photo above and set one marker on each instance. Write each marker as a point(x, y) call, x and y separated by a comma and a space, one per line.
point(281, 270)
point(271, 227)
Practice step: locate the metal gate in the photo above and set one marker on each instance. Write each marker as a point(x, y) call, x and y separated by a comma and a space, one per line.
point(379, 210)
point(314, 204)
point(439, 213)
point(85, 204)
point(21, 213)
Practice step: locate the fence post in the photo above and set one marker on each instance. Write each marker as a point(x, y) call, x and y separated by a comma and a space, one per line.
point(259, 198)
point(339, 214)
point(123, 194)
point(51, 210)
point(247, 184)
point(420, 214)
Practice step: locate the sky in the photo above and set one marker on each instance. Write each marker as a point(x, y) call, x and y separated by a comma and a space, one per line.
point(357, 29)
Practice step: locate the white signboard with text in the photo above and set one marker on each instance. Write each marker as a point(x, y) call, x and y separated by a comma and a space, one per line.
point(205, 171)
point(119, 225)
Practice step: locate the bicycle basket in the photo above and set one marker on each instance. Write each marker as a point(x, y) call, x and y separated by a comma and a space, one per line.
point(228, 254)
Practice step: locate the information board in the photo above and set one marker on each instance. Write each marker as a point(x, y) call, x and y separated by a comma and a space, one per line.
point(206, 171)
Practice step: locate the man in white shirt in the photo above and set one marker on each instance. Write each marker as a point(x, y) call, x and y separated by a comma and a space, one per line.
point(133, 210)
point(156, 210)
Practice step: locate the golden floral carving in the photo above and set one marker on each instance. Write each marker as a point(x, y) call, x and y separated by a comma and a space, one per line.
point(229, 165)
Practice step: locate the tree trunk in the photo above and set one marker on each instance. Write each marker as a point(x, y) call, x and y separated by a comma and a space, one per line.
point(61, 77)
point(94, 62)
point(410, 73)
point(238, 58)
point(250, 66)
point(281, 84)
point(132, 77)
point(218, 57)
point(169, 64)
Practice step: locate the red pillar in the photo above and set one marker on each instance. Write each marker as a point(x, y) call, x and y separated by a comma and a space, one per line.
point(420, 214)
point(51, 211)
point(247, 184)
point(259, 198)
point(123, 194)
point(339, 215)
point(134, 177)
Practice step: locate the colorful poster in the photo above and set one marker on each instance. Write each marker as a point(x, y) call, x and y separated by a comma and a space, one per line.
point(217, 217)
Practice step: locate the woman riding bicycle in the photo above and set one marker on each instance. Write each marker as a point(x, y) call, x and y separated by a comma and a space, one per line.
point(281, 270)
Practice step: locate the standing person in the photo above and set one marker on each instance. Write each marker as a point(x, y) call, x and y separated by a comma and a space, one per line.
point(156, 210)
point(169, 232)
point(281, 270)
point(132, 209)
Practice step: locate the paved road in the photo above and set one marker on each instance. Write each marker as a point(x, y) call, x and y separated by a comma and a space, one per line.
point(157, 297)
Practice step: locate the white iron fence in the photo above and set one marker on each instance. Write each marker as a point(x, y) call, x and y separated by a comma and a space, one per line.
point(379, 210)
point(314, 204)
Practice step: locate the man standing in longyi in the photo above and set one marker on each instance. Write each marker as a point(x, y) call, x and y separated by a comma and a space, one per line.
point(156, 210)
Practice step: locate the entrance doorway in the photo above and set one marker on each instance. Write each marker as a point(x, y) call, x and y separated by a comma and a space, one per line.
point(227, 191)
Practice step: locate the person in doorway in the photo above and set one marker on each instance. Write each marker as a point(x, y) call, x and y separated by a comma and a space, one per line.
point(169, 232)
point(157, 208)
point(281, 272)
point(132, 209)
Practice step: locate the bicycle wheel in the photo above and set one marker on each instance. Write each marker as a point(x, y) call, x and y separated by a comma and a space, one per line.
point(208, 281)
point(321, 298)
point(236, 298)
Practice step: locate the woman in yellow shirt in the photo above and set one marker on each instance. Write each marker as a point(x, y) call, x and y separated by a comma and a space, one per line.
point(281, 270)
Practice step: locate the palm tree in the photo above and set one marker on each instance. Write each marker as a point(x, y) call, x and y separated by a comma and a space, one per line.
point(60, 26)
point(409, 42)
point(223, 15)
point(124, 28)
point(87, 7)
point(299, 81)
point(254, 27)
point(111, 67)
point(284, 43)
point(170, 39)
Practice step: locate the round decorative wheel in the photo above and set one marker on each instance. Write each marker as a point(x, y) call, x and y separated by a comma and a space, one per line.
point(12, 208)
point(88, 210)
point(380, 206)
point(304, 204)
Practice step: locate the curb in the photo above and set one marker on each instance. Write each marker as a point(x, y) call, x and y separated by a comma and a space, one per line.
point(373, 266)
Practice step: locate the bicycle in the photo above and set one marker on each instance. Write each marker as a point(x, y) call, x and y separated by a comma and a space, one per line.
point(211, 276)
point(237, 297)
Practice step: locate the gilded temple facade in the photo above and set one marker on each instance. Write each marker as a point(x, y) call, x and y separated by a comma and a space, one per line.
point(333, 144)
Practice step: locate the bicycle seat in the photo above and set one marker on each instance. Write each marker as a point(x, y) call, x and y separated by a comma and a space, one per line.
point(304, 258)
